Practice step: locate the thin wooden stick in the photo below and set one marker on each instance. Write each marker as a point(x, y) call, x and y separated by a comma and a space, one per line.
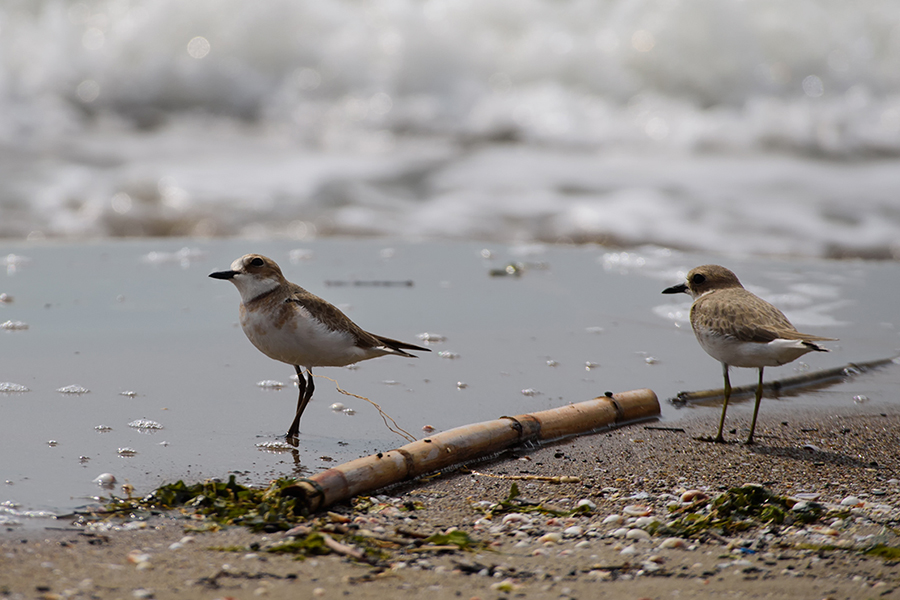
point(806, 380)
point(384, 416)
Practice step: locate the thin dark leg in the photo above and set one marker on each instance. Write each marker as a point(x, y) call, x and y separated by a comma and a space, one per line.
point(759, 391)
point(307, 387)
point(301, 383)
point(719, 439)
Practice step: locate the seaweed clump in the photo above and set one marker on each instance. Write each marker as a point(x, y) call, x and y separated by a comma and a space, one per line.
point(259, 509)
point(739, 509)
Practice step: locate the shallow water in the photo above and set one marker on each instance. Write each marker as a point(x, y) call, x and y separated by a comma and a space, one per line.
point(139, 316)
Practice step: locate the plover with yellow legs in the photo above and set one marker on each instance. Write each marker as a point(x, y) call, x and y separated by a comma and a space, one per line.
point(740, 329)
point(291, 325)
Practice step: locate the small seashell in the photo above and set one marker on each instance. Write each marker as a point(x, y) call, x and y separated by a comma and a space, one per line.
point(128, 393)
point(645, 521)
point(52, 443)
point(585, 502)
point(672, 542)
point(349, 411)
point(620, 532)
point(530, 392)
point(516, 518)
point(552, 363)
point(614, 520)
point(6, 298)
point(127, 451)
point(337, 406)
point(136, 557)
point(637, 534)
point(851, 501)
point(860, 399)
point(427, 428)
point(590, 365)
point(818, 529)
point(449, 355)
point(103, 428)
point(807, 496)
point(693, 496)
point(651, 360)
point(461, 385)
point(105, 479)
point(637, 510)
point(629, 550)
point(14, 326)
point(550, 538)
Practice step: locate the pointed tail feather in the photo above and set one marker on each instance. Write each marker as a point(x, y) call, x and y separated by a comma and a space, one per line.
point(398, 347)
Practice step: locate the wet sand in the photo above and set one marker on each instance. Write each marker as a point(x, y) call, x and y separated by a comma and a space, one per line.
point(835, 453)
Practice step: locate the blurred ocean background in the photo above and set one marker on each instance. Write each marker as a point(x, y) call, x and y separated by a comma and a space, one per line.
point(731, 126)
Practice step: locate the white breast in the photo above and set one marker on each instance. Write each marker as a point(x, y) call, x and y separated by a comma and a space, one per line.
point(302, 340)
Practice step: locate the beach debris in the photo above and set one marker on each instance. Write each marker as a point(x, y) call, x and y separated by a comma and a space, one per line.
point(530, 392)
point(349, 411)
point(7, 387)
point(73, 389)
point(337, 406)
point(127, 452)
point(128, 393)
point(432, 338)
point(449, 355)
point(5, 298)
point(105, 480)
point(145, 424)
point(275, 446)
point(589, 366)
point(103, 428)
point(510, 270)
point(428, 428)
point(13, 326)
point(552, 363)
point(461, 385)
point(270, 384)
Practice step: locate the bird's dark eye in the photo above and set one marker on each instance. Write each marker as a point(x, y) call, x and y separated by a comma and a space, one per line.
point(698, 279)
point(257, 262)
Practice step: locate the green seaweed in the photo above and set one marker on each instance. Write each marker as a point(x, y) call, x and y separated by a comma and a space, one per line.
point(458, 538)
point(739, 509)
point(514, 504)
point(230, 503)
point(886, 552)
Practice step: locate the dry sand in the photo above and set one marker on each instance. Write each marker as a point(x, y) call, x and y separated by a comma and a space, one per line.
point(837, 455)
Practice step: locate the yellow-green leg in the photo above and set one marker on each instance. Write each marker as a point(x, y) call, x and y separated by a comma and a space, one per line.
point(719, 439)
point(759, 391)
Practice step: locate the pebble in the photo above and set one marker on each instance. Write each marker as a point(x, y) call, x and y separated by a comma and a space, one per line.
point(637, 534)
point(573, 531)
point(851, 501)
point(672, 542)
point(614, 520)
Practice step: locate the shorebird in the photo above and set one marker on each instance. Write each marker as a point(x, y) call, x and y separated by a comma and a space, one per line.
point(740, 329)
point(291, 325)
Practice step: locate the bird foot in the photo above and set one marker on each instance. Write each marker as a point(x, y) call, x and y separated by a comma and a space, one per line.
point(292, 439)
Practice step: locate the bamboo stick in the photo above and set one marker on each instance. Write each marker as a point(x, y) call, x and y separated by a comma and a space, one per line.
point(806, 380)
point(469, 442)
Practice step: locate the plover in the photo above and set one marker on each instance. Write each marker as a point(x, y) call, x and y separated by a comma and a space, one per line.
point(289, 324)
point(740, 329)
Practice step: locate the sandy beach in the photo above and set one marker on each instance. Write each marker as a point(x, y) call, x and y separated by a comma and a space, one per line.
point(844, 459)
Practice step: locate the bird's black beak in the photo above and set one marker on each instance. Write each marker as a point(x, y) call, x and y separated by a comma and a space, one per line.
point(223, 274)
point(681, 288)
